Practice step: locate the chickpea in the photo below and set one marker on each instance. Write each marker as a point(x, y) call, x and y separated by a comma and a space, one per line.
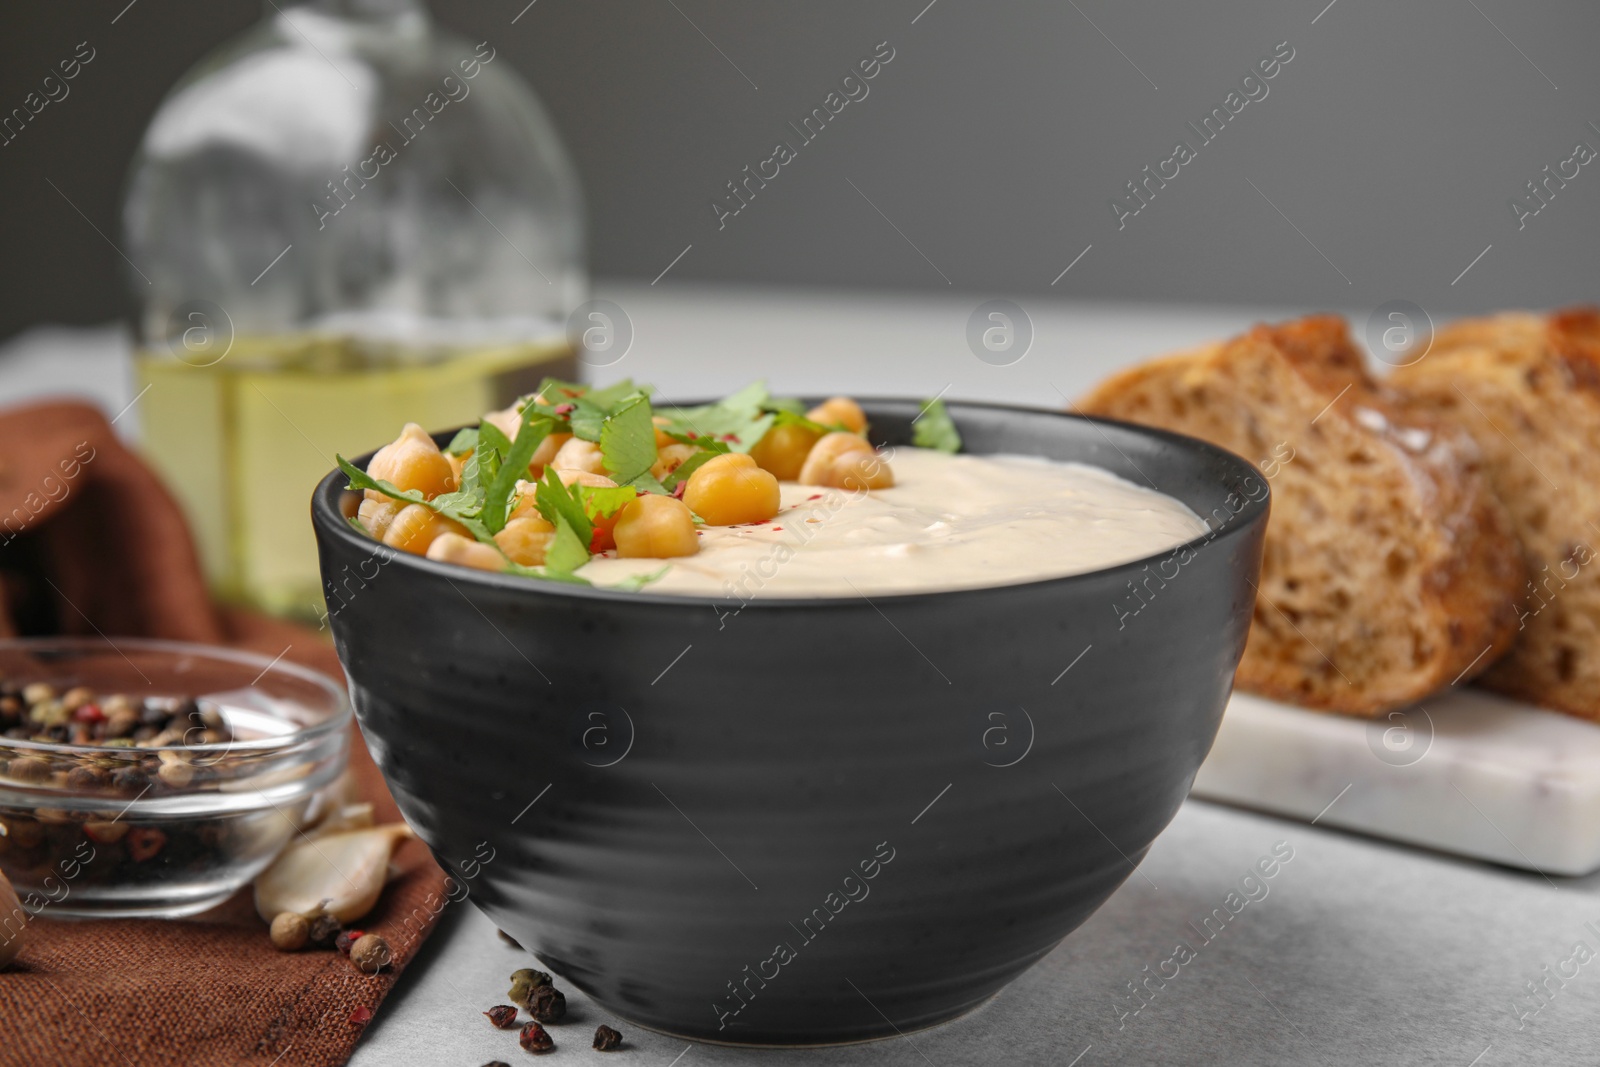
point(578, 455)
point(507, 420)
point(376, 515)
point(671, 456)
point(525, 540)
point(840, 411)
point(454, 548)
point(412, 461)
point(782, 450)
point(547, 450)
point(662, 438)
point(731, 489)
point(415, 528)
point(846, 461)
point(657, 527)
point(583, 477)
point(861, 471)
point(458, 463)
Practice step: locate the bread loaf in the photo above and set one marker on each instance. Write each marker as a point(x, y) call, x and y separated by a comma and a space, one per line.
point(1527, 387)
point(1390, 570)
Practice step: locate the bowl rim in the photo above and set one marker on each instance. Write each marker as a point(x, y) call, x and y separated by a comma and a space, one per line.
point(337, 720)
point(328, 521)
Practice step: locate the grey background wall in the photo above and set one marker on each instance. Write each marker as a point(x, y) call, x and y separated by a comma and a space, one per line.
point(1379, 165)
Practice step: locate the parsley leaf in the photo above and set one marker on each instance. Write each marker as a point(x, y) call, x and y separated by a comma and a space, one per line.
point(604, 500)
point(558, 502)
point(628, 440)
point(738, 419)
point(568, 551)
point(465, 440)
point(934, 429)
point(497, 497)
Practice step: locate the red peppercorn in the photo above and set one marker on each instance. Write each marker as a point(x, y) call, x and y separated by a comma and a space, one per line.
point(502, 1016)
point(89, 713)
point(361, 1016)
point(536, 1039)
point(347, 938)
point(144, 842)
point(566, 409)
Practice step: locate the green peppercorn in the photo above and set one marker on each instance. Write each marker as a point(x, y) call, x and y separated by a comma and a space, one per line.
point(524, 982)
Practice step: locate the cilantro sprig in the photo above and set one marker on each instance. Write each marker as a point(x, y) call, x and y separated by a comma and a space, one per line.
point(935, 429)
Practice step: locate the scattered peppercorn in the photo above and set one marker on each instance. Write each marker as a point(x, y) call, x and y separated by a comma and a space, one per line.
point(547, 1004)
point(502, 1016)
point(144, 842)
point(370, 953)
point(361, 1016)
point(524, 982)
point(347, 938)
point(536, 1039)
point(290, 932)
point(606, 1039)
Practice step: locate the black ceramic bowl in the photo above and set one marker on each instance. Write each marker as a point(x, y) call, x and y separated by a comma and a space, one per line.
point(810, 821)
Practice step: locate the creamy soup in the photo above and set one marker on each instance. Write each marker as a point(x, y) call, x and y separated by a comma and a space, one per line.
point(949, 522)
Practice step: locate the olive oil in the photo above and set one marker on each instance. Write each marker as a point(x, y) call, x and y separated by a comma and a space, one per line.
point(243, 441)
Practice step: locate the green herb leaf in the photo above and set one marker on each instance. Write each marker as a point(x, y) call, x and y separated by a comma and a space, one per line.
point(789, 404)
point(611, 397)
point(497, 498)
point(443, 505)
point(587, 419)
point(556, 501)
point(568, 551)
point(740, 417)
point(465, 440)
point(604, 500)
point(791, 418)
point(628, 440)
point(934, 429)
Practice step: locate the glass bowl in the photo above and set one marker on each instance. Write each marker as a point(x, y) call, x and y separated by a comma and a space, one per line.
point(91, 830)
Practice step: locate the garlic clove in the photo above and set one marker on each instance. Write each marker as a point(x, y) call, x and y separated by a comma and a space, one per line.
point(343, 820)
point(344, 873)
point(13, 921)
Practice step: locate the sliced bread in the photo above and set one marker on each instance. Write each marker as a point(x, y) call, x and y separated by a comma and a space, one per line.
point(1527, 387)
point(1390, 570)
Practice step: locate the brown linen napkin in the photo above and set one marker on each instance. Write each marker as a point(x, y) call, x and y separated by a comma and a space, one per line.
point(91, 543)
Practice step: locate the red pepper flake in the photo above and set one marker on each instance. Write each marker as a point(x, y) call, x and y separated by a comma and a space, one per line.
point(677, 490)
point(89, 713)
point(731, 437)
point(361, 1016)
point(144, 842)
point(566, 409)
point(777, 529)
point(691, 434)
point(814, 496)
point(571, 392)
point(595, 540)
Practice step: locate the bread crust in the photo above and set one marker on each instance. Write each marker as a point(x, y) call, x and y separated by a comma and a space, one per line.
point(1390, 569)
point(1527, 386)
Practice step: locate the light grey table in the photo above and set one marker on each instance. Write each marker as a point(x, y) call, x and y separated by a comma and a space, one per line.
point(1360, 952)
